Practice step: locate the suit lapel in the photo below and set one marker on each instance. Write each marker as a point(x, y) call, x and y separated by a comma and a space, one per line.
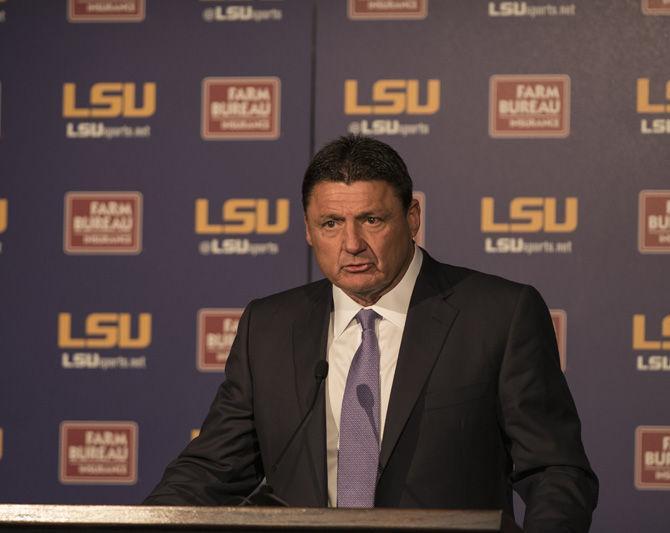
point(428, 323)
point(310, 337)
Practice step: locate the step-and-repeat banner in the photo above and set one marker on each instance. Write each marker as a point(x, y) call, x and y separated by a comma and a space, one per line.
point(151, 154)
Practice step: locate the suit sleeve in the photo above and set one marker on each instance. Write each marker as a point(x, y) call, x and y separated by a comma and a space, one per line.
point(551, 471)
point(223, 464)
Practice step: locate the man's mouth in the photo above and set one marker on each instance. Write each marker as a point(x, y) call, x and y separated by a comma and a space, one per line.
point(357, 268)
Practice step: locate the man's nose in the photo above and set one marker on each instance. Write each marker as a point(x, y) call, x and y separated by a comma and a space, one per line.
point(354, 243)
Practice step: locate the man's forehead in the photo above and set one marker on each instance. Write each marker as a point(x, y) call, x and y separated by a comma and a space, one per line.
point(357, 195)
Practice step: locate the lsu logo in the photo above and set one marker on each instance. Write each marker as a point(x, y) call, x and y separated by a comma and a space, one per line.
point(3, 214)
point(653, 105)
point(393, 97)
point(656, 7)
point(106, 330)
point(105, 10)
point(217, 329)
point(110, 100)
point(643, 100)
point(98, 452)
point(652, 457)
point(530, 214)
point(240, 216)
point(640, 340)
point(654, 362)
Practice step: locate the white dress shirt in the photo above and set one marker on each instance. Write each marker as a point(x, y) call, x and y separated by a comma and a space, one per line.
point(344, 337)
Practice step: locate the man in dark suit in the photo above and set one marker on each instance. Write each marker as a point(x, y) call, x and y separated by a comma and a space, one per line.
point(456, 370)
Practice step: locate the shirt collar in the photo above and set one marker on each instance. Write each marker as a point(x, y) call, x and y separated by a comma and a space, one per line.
point(392, 306)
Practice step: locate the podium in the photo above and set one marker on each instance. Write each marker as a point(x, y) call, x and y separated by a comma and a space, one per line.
point(118, 519)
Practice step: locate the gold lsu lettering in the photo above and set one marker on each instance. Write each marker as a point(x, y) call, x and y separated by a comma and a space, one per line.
point(110, 100)
point(393, 97)
point(530, 214)
point(644, 104)
point(106, 330)
point(243, 216)
point(3, 214)
point(640, 341)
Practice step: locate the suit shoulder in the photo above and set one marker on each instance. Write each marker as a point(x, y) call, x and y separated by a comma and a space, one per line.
point(459, 275)
point(473, 283)
point(292, 299)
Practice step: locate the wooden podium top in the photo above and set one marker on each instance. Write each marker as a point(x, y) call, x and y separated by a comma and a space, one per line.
point(116, 518)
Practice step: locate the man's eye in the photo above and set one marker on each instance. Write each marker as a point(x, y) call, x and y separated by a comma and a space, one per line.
point(372, 220)
point(329, 224)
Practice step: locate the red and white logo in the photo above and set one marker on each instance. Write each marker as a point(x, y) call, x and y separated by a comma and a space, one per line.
point(105, 10)
point(560, 320)
point(529, 105)
point(241, 108)
point(652, 457)
point(103, 223)
point(656, 7)
point(216, 332)
point(394, 9)
point(95, 452)
point(654, 222)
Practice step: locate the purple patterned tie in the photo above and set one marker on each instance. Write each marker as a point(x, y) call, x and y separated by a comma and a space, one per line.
point(358, 456)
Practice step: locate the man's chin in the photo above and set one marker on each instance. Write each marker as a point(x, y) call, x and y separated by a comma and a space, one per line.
point(362, 289)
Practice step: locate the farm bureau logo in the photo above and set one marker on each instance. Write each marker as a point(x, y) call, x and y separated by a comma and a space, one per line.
point(524, 9)
point(529, 214)
point(102, 223)
point(241, 108)
point(655, 7)
point(239, 13)
point(105, 10)
point(387, 9)
point(654, 222)
point(559, 319)
point(103, 334)
point(108, 100)
point(649, 102)
point(652, 360)
point(238, 217)
point(532, 105)
point(98, 452)
point(391, 98)
point(652, 457)
point(216, 332)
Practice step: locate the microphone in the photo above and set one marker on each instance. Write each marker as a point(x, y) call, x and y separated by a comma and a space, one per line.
point(262, 494)
point(320, 373)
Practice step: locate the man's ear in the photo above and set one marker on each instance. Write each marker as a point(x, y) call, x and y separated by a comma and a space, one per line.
point(414, 217)
point(308, 237)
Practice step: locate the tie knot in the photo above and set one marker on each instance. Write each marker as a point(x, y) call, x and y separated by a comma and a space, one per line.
point(366, 318)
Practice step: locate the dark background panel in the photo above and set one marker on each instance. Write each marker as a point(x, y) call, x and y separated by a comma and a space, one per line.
point(604, 162)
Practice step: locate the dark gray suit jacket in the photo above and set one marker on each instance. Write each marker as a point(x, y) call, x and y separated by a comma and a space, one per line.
point(478, 405)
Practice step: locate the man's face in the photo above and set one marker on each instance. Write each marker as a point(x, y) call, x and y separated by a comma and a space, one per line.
point(361, 236)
